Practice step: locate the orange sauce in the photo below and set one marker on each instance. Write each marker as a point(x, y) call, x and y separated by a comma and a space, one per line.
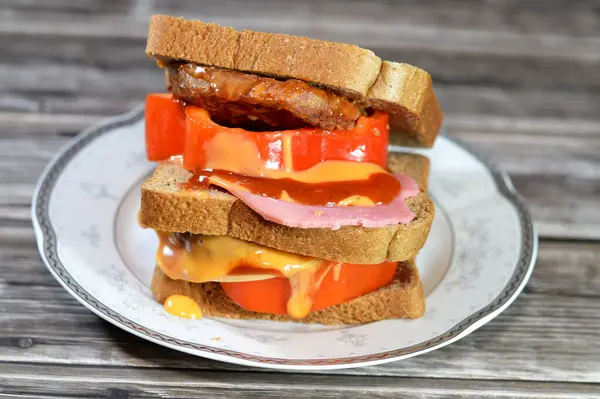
point(183, 306)
point(381, 188)
point(303, 289)
point(249, 270)
point(199, 259)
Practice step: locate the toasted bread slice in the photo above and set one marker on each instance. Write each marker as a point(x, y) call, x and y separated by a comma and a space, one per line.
point(166, 207)
point(402, 90)
point(402, 298)
point(405, 92)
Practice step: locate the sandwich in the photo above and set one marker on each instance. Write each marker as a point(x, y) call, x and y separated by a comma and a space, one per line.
point(274, 196)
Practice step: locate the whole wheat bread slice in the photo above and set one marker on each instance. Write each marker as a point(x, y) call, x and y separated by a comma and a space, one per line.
point(403, 298)
point(405, 92)
point(166, 207)
point(400, 89)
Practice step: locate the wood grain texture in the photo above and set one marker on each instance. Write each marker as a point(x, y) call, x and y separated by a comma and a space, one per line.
point(118, 383)
point(518, 81)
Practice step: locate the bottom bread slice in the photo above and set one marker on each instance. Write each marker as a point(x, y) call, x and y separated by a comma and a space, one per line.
point(402, 298)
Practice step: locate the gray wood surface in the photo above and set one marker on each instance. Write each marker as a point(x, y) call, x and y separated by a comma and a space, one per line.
point(519, 81)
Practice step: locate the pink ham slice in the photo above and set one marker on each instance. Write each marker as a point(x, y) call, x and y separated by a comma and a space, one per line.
point(333, 217)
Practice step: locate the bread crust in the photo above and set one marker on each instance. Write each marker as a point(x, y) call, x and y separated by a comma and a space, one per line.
point(403, 298)
point(345, 68)
point(406, 93)
point(165, 207)
point(400, 89)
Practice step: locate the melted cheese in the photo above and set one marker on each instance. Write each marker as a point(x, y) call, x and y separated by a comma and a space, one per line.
point(303, 287)
point(214, 258)
point(337, 269)
point(286, 147)
point(356, 200)
point(322, 172)
point(182, 306)
point(233, 152)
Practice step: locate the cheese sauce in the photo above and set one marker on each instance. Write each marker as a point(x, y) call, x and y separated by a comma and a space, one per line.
point(200, 259)
point(337, 269)
point(304, 287)
point(379, 188)
point(288, 162)
point(183, 306)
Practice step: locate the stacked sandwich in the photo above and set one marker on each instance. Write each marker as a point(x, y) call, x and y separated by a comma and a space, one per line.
point(275, 196)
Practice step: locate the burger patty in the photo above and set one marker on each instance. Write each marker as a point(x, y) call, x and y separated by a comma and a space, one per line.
point(259, 103)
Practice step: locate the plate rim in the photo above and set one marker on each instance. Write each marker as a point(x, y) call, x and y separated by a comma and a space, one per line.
point(47, 246)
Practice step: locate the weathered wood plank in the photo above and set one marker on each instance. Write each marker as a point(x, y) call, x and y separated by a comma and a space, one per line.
point(15, 125)
point(115, 383)
point(528, 127)
point(548, 334)
point(573, 18)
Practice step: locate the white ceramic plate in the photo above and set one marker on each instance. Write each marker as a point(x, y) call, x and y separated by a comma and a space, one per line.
point(478, 257)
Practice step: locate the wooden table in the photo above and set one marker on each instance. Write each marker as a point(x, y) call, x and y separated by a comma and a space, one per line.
point(519, 81)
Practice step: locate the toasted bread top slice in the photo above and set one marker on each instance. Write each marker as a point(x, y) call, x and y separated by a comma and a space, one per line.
point(402, 298)
point(402, 90)
point(405, 92)
point(166, 207)
point(346, 68)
